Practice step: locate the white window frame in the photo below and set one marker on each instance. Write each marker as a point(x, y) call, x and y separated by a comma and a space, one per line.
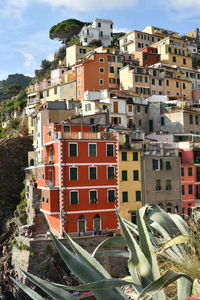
point(113, 149)
point(108, 195)
point(69, 172)
point(114, 172)
point(69, 149)
point(93, 190)
point(89, 149)
point(101, 81)
point(77, 197)
point(102, 69)
point(89, 172)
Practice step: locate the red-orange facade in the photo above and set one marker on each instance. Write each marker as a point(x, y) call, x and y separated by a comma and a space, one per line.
point(79, 178)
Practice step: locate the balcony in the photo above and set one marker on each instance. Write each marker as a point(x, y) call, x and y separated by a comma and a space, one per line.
point(33, 101)
point(90, 135)
point(49, 183)
point(104, 36)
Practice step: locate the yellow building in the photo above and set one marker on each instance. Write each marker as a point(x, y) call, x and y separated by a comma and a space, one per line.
point(75, 53)
point(173, 51)
point(130, 187)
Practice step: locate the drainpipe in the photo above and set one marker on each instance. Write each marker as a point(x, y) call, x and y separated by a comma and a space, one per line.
point(61, 200)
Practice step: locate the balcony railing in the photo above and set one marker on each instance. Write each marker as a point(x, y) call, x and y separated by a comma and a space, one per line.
point(49, 183)
point(33, 101)
point(90, 135)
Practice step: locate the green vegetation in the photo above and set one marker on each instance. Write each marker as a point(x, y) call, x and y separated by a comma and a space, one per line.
point(66, 30)
point(17, 80)
point(95, 43)
point(165, 236)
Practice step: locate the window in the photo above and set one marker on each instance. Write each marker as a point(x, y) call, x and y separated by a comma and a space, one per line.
point(162, 121)
point(111, 172)
point(158, 185)
point(146, 109)
point(55, 90)
point(191, 119)
point(189, 171)
point(168, 184)
point(101, 70)
point(169, 49)
point(72, 150)
point(154, 73)
point(124, 175)
point(92, 150)
point(153, 81)
point(174, 58)
point(73, 173)
point(119, 59)
point(47, 93)
point(109, 150)
point(100, 34)
point(184, 86)
point(82, 51)
point(74, 197)
point(112, 70)
point(66, 128)
point(101, 60)
point(183, 189)
point(177, 84)
point(111, 195)
point(111, 58)
point(196, 120)
point(184, 61)
point(85, 40)
point(138, 195)
point(146, 79)
point(93, 196)
point(99, 25)
point(138, 108)
point(135, 156)
point(182, 171)
point(167, 82)
point(111, 26)
point(93, 173)
point(101, 81)
point(124, 156)
point(160, 82)
point(112, 80)
point(124, 196)
point(157, 164)
point(168, 165)
point(139, 122)
point(190, 189)
point(135, 175)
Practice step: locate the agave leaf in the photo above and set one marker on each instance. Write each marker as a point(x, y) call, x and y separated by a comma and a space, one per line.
point(98, 285)
point(117, 253)
point(30, 292)
point(156, 214)
point(184, 288)
point(88, 258)
point(173, 253)
point(180, 223)
point(53, 291)
point(154, 287)
point(147, 248)
point(138, 264)
point(85, 271)
point(180, 239)
point(133, 227)
point(110, 242)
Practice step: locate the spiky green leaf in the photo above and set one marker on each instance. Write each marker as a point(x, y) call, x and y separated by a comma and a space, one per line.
point(30, 292)
point(184, 288)
point(111, 242)
point(117, 253)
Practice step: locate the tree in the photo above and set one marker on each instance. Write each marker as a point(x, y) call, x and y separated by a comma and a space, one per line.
point(95, 43)
point(116, 36)
point(13, 89)
point(66, 30)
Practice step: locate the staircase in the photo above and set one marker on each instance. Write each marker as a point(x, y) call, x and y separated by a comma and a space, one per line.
point(41, 225)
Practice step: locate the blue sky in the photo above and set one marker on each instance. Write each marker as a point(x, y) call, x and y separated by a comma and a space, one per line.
point(24, 24)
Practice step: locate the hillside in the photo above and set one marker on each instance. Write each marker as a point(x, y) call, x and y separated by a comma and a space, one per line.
point(18, 79)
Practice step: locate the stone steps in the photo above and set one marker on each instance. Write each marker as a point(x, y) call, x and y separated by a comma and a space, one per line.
point(41, 225)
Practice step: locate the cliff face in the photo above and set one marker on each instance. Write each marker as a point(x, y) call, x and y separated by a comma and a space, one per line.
point(13, 160)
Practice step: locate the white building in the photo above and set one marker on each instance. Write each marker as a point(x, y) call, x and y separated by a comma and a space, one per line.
point(100, 29)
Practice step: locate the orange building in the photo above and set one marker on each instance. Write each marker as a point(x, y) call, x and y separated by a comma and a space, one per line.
point(98, 71)
point(79, 179)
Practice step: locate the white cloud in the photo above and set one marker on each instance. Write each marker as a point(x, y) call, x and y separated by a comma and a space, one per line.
point(16, 8)
point(122, 29)
point(183, 8)
point(29, 61)
point(87, 5)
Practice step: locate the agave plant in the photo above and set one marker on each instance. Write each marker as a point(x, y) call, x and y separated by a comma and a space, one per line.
point(145, 277)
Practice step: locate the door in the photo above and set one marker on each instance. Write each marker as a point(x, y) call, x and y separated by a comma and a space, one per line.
point(97, 223)
point(115, 107)
point(81, 225)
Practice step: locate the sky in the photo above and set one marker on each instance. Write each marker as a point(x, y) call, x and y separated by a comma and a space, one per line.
point(25, 24)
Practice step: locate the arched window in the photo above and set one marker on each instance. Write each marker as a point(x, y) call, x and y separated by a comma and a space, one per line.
point(81, 225)
point(32, 162)
point(97, 223)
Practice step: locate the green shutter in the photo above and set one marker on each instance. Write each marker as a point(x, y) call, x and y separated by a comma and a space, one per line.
point(135, 175)
point(124, 175)
point(93, 174)
point(111, 196)
point(168, 165)
point(74, 197)
point(111, 174)
point(161, 164)
point(73, 173)
point(124, 196)
point(138, 195)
